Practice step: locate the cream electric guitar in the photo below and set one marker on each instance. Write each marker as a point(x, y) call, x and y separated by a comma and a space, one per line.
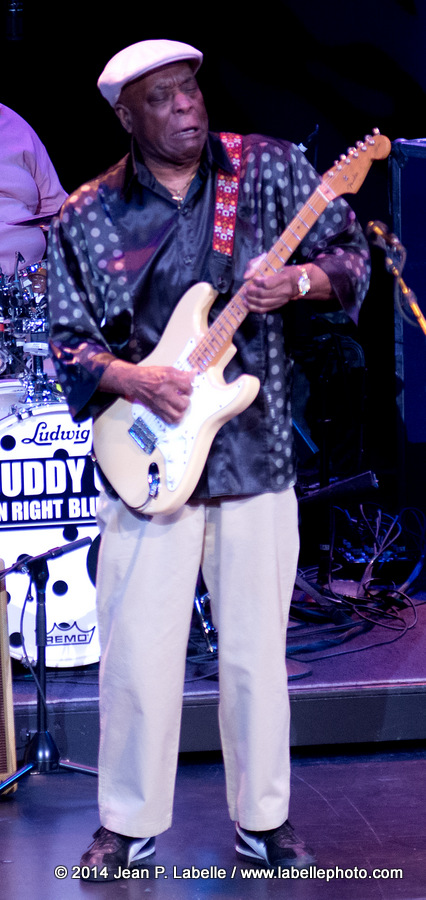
point(154, 467)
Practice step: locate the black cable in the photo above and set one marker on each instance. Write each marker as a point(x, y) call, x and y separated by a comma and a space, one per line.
point(374, 601)
point(28, 662)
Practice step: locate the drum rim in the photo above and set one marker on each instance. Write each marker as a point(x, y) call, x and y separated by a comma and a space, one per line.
point(40, 406)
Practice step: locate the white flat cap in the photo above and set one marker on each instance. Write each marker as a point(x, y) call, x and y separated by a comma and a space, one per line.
point(140, 58)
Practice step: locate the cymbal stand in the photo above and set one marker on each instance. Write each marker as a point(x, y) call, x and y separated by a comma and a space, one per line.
point(42, 754)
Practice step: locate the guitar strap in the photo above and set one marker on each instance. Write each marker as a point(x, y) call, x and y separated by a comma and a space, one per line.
point(227, 188)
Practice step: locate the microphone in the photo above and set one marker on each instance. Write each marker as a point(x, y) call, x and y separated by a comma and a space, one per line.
point(23, 564)
point(377, 229)
point(66, 548)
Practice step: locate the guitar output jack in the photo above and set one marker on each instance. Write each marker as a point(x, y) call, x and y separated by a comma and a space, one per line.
point(153, 480)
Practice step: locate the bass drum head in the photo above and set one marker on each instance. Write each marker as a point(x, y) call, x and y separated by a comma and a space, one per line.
point(71, 623)
point(48, 494)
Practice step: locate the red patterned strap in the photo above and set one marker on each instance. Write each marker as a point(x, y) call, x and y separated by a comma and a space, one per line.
point(227, 196)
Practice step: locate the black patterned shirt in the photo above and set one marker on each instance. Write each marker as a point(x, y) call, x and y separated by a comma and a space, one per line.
point(123, 252)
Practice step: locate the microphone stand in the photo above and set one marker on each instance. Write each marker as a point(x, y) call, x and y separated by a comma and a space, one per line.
point(42, 754)
point(396, 255)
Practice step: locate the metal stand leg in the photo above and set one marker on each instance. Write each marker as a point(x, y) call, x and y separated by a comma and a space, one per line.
point(42, 754)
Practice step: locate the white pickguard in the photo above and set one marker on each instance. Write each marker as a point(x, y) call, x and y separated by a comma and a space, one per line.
point(176, 442)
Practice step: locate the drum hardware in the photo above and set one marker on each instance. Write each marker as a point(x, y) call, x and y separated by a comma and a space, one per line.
point(23, 316)
point(42, 754)
point(202, 609)
point(35, 389)
point(12, 358)
point(38, 388)
point(20, 412)
point(4, 360)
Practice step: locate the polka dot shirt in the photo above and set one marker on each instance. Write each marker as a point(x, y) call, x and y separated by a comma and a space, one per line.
point(123, 253)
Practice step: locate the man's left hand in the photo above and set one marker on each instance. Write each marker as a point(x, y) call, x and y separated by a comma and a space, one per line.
point(265, 293)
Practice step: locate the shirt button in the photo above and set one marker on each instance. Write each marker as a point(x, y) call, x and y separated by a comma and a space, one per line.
point(188, 260)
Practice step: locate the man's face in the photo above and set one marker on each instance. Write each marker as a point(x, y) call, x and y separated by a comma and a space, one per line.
point(165, 113)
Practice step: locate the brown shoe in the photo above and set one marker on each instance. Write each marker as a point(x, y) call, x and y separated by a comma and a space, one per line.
point(111, 853)
point(279, 847)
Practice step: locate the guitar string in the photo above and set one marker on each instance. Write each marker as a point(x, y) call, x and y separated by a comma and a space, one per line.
point(205, 349)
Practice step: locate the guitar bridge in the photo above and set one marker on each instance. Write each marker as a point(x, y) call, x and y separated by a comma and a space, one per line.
point(143, 435)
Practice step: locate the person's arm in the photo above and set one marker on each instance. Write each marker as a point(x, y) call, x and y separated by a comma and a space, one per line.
point(334, 251)
point(269, 292)
point(163, 389)
point(89, 371)
point(51, 193)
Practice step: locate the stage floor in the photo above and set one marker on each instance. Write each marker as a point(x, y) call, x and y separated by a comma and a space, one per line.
point(361, 812)
point(349, 684)
point(358, 787)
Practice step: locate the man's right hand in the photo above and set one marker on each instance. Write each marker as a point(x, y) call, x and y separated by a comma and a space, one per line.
point(163, 389)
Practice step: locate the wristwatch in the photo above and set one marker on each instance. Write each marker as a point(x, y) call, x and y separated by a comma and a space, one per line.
point(304, 283)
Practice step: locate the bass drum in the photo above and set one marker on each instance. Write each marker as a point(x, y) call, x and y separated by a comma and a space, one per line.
point(48, 493)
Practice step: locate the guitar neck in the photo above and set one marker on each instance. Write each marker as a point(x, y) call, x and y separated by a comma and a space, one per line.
point(219, 335)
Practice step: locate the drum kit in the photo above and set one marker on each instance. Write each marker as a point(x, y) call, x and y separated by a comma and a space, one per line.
point(48, 482)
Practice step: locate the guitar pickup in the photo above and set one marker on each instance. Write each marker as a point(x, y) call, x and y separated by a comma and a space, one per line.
point(143, 435)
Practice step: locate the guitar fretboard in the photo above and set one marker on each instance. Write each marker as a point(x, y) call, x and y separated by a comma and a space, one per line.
point(220, 334)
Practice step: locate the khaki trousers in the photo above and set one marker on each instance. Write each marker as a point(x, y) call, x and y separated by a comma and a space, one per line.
point(147, 574)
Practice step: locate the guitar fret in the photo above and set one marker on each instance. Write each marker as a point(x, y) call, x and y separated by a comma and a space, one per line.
point(219, 334)
point(273, 250)
point(229, 320)
point(197, 361)
point(317, 210)
point(326, 198)
point(216, 339)
point(210, 350)
point(285, 246)
point(305, 224)
point(294, 233)
point(269, 265)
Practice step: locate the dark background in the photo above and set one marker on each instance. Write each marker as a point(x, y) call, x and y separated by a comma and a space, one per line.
point(281, 68)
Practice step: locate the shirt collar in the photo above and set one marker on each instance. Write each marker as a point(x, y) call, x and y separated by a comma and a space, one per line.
point(214, 157)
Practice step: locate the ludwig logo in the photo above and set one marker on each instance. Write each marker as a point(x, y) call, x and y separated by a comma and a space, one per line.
point(67, 635)
point(44, 438)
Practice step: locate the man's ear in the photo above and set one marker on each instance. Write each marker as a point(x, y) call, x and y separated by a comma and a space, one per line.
point(125, 116)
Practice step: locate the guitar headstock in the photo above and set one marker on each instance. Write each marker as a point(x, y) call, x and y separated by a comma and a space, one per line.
point(349, 172)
